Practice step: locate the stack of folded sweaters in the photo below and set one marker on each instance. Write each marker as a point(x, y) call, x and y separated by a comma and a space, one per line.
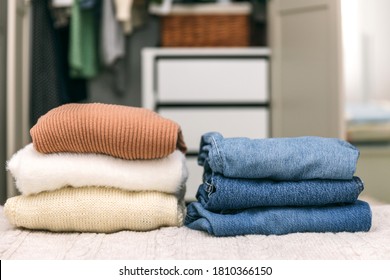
point(100, 168)
point(277, 186)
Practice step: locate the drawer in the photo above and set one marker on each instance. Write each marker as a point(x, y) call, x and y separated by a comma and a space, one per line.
point(195, 174)
point(230, 122)
point(212, 80)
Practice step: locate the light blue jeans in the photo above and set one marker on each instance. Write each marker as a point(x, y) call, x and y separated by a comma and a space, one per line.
point(219, 192)
point(299, 158)
point(280, 220)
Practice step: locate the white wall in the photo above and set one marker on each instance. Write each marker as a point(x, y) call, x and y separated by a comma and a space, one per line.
point(375, 34)
point(352, 62)
point(366, 34)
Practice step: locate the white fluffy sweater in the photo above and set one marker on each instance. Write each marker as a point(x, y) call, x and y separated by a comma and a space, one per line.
point(35, 172)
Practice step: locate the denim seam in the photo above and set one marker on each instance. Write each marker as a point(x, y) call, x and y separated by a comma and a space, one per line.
point(219, 156)
point(359, 182)
point(213, 186)
point(209, 188)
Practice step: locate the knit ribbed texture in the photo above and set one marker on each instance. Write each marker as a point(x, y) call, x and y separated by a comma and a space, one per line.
point(115, 130)
point(95, 209)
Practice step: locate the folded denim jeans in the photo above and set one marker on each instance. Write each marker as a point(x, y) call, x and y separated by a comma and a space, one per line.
point(219, 192)
point(281, 159)
point(281, 220)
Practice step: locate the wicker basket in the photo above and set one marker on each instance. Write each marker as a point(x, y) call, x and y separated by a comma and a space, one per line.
point(206, 28)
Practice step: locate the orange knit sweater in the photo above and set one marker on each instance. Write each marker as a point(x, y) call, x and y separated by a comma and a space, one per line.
point(120, 131)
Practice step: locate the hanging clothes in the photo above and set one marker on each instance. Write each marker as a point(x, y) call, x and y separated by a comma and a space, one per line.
point(88, 4)
point(83, 54)
point(113, 47)
point(73, 89)
point(131, 13)
point(123, 14)
point(51, 84)
point(112, 40)
point(45, 79)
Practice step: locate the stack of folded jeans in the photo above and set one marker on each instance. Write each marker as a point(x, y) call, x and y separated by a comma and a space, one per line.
point(99, 168)
point(277, 186)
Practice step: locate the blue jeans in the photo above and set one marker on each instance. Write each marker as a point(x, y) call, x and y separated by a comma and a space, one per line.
point(280, 220)
point(295, 159)
point(219, 192)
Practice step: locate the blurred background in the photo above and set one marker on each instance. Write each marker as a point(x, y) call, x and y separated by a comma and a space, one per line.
point(258, 68)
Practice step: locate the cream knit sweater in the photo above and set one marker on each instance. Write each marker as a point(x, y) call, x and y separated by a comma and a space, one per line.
point(95, 209)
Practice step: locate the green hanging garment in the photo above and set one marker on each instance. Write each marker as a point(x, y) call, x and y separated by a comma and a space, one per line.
point(83, 53)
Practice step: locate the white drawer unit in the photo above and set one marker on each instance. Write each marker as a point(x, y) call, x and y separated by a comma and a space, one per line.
point(208, 89)
point(212, 80)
